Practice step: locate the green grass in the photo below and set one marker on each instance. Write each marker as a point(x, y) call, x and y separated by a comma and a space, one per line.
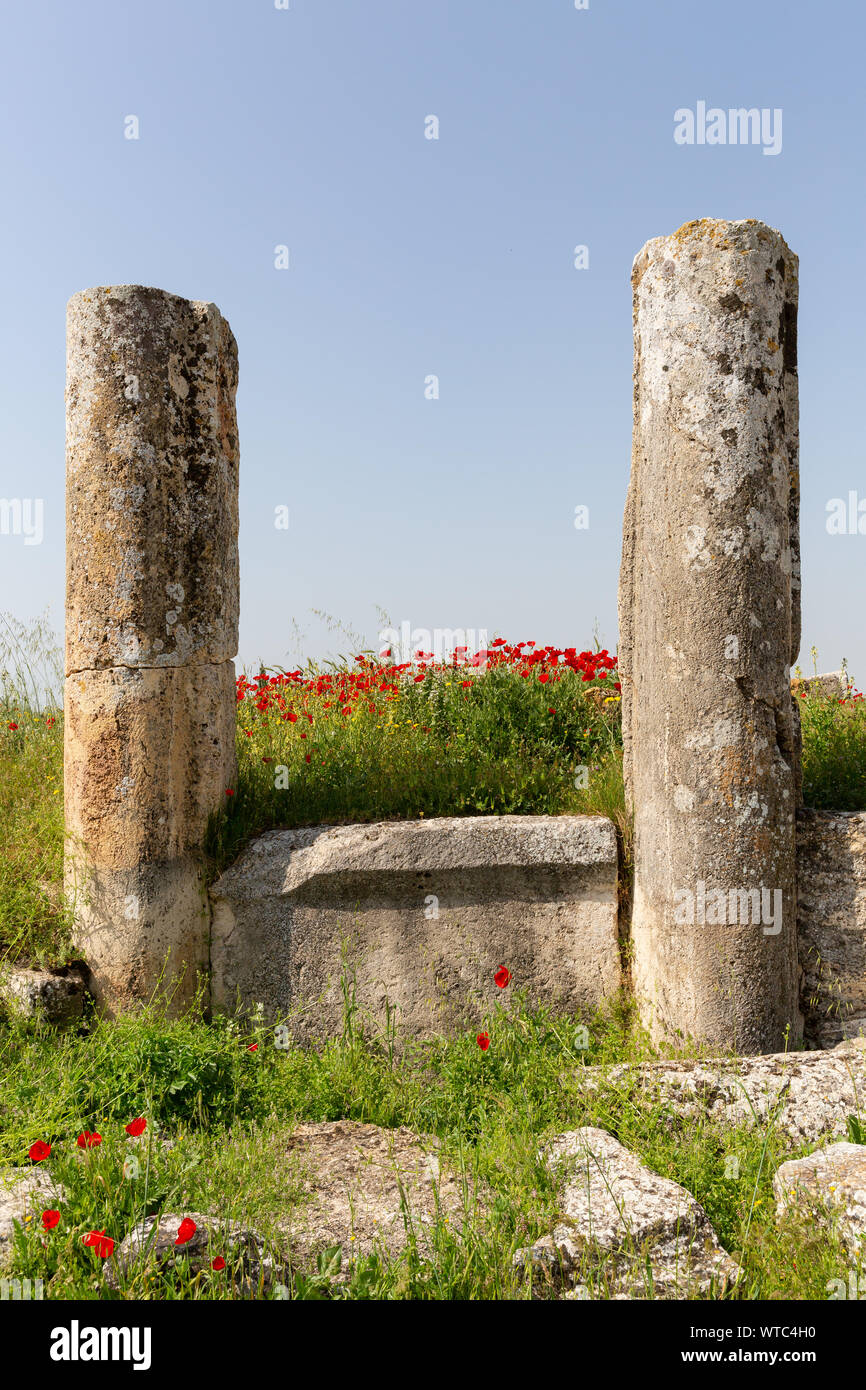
point(35, 924)
point(834, 750)
point(230, 1110)
point(452, 743)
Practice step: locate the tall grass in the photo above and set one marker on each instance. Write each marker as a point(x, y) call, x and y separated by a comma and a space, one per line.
point(377, 743)
point(34, 921)
point(229, 1112)
point(834, 747)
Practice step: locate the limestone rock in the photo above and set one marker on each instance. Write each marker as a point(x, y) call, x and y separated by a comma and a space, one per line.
point(429, 910)
point(151, 628)
point(831, 914)
point(151, 1244)
point(831, 1179)
point(24, 1191)
point(812, 1093)
point(709, 627)
point(148, 757)
point(152, 480)
point(619, 1218)
point(363, 1185)
point(57, 996)
point(832, 685)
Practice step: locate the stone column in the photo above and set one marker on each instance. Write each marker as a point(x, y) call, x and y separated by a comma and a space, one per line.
point(709, 628)
point(151, 628)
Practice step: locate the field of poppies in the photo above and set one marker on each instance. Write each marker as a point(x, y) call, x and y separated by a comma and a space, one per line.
point(518, 729)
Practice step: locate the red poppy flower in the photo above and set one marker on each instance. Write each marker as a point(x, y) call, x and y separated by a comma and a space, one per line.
point(38, 1151)
point(230, 791)
point(503, 976)
point(185, 1231)
point(13, 727)
point(136, 1127)
point(48, 723)
point(544, 677)
point(218, 1264)
point(88, 1140)
point(50, 1219)
point(551, 711)
point(483, 1041)
point(254, 1047)
point(100, 1242)
point(307, 759)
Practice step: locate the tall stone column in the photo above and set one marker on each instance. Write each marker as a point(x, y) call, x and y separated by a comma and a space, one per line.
point(709, 627)
point(151, 628)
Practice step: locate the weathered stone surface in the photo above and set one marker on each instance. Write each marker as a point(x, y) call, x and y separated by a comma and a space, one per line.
point(56, 996)
point(810, 1093)
point(151, 627)
point(709, 627)
point(626, 1233)
point(536, 893)
point(831, 1181)
point(23, 1192)
point(831, 917)
point(248, 1264)
point(152, 481)
point(832, 685)
point(148, 757)
point(363, 1185)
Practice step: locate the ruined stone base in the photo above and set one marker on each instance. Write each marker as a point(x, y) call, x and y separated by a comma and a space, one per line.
point(418, 915)
point(831, 923)
point(144, 932)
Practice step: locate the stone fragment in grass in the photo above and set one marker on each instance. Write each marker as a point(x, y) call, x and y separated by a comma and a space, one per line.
point(24, 1191)
point(55, 996)
point(807, 1095)
point(367, 1189)
point(626, 1233)
point(830, 1182)
point(150, 1245)
point(832, 685)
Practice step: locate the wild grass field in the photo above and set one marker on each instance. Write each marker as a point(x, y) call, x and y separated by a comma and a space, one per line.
point(363, 740)
point(230, 1110)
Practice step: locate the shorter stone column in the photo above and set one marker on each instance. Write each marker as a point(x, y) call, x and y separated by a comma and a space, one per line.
point(151, 629)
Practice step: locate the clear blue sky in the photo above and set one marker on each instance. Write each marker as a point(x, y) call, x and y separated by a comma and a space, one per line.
point(411, 257)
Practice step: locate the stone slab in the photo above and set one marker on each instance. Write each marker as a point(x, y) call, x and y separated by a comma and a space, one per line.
point(427, 910)
point(626, 1232)
point(831, 922)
